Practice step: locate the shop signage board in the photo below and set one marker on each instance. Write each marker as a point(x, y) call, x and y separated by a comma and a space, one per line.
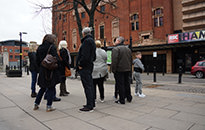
point(187, 37)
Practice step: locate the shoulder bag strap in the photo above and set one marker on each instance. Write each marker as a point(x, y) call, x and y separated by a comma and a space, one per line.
point(49, 49)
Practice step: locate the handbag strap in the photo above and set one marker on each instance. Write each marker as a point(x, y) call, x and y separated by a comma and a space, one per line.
point(49, 49)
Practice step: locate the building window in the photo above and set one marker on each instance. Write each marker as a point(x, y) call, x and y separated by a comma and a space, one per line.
point(64, 18)
point(102, 32)
point(74, 38)
point(102, 8)
point(83, 15)
point(17, 51)
point(134, 21)
point(26, 51)
point(10, 50)
point(60, 16)
point(17, 57)
point(146, 37)
point(11, 57)
point(115, 28)
point(64, 35)
point(158, 17)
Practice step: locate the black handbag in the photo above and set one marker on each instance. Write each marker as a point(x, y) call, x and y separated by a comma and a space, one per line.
point(49, 62)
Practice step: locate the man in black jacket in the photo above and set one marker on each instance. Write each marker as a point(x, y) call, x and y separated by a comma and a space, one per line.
point(86, 57)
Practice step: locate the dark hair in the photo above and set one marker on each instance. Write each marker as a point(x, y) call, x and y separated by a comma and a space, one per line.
point(51, 38)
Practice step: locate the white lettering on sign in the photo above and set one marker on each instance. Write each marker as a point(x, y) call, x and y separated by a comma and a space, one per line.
point(173, 37)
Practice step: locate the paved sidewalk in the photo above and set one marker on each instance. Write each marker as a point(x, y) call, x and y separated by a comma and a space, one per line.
point(159, 110)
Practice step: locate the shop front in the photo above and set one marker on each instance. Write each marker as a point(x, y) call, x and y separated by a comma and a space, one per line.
point(182, 49)
point(188, 48)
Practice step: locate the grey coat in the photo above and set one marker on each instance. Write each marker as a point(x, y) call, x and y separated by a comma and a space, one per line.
point(138, 64)
point(100, 64)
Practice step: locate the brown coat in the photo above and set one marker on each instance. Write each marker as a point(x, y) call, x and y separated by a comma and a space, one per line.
point(121, 59)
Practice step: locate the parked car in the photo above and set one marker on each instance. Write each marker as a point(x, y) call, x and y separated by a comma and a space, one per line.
point(198, 69)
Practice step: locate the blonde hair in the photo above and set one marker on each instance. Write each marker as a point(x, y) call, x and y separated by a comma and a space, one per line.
point(98, 43)
point(62, 44)
point(32, 47)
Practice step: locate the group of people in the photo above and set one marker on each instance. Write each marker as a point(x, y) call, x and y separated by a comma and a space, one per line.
point(91, 64)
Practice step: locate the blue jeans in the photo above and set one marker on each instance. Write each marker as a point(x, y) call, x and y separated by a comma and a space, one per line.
point(33, 82)
point(50, 92)
point(54, 95)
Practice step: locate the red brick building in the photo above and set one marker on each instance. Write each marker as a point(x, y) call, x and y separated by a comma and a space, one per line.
point(13, 49)
point(147, 21)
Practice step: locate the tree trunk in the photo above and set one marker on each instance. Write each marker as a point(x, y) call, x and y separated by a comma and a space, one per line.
point(75, 4)
point(91, 23)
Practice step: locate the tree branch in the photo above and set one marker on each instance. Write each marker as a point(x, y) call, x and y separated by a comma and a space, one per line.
point(82, 3)
point(106, 13)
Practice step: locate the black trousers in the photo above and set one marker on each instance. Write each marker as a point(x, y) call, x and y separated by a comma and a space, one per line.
point(123, 85)
point(87, 81)
point(100, 83)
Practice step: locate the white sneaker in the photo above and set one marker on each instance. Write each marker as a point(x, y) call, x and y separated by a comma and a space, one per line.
point(136, 94)
point(102, 100)
point(142, 95)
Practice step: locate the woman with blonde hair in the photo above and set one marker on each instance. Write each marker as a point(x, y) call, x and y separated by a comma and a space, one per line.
point(65, 61)
point(100, 70)
point(33, 68)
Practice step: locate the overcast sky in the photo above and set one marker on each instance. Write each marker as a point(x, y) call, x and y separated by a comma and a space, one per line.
point(19, 16)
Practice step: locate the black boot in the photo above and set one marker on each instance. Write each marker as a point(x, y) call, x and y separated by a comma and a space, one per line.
point(65, 91)
point(62, 90)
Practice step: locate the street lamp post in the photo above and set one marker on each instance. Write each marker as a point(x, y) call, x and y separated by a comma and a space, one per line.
point(21, 49)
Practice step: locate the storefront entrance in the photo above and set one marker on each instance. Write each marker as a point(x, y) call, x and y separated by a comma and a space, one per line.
point(149, 63)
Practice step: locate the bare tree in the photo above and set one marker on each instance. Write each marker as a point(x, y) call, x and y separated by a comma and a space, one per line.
point(90, 9)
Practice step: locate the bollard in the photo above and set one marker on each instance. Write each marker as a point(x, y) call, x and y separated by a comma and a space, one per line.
point(163, 69)
point(154, 78)
point(147, 69)
point(27, 70)
point(180, 75)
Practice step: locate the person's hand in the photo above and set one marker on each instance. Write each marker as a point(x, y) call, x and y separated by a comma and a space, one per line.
point(80, 68)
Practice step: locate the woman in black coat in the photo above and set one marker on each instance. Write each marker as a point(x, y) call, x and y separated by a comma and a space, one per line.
point(65, 61)
point(47, 79)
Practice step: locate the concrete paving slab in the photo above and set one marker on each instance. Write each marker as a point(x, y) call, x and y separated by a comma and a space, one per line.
point(4, 102)
point(188, 109)
point(114, 123)
point(199, 119)
point(42, 115)
point(14, 118)
point(122, 113)
point(70, 123)
point(63, 105)
point(163, 112)
point(145, 109)
point(163, 123)
point(197, 127)
point(193, 97)
point(154, 128)
point(85, 116)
